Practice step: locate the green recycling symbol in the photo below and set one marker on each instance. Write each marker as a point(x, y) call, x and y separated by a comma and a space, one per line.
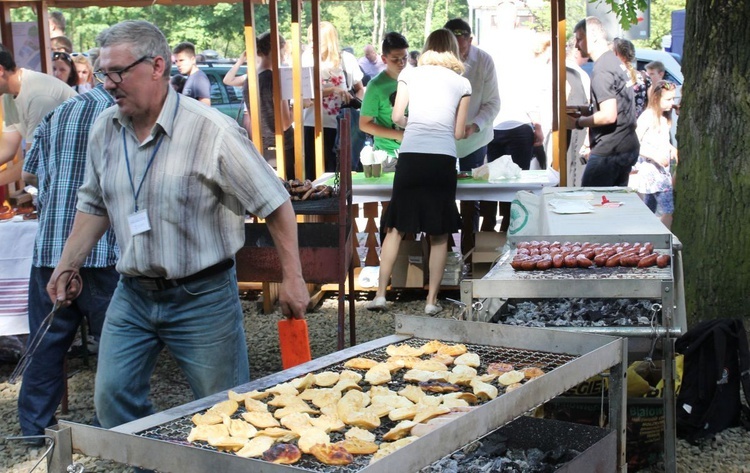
point(519, 217)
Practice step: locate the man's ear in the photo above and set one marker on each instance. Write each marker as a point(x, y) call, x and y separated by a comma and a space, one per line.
point(159, 65)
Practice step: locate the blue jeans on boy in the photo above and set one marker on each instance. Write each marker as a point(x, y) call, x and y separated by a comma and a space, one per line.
point(200, 322)
point(44, 379)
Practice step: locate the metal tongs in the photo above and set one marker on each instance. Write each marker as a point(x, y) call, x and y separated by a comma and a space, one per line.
point(34, 343)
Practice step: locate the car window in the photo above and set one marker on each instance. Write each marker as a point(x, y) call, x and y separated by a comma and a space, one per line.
point(234, 94)
point(216, 96)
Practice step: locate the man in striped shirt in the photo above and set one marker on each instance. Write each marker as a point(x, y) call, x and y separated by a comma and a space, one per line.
point(174, 178)
point(56, 163)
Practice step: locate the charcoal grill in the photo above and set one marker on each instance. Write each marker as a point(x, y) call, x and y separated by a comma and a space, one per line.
point(157, 441)
point(663, 284)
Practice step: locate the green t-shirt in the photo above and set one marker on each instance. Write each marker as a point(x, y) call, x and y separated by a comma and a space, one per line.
point(378, 103)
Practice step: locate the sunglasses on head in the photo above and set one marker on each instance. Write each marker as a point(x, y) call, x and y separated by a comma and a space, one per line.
point(666, 85)
point(61, 55)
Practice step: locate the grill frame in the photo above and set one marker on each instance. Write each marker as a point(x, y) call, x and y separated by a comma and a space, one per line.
point(595, 353)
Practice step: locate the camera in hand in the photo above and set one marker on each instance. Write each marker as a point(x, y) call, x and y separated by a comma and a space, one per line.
point(354, 103)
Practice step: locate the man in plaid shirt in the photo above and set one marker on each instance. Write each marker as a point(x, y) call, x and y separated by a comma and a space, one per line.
point(57, 161)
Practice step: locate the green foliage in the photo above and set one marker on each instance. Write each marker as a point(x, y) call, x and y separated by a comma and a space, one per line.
point(221, 26)
point(661, 22)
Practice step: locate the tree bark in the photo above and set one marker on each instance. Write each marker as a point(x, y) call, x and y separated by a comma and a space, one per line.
point(712, 192)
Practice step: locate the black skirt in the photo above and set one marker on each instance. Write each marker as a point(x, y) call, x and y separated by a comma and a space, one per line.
point(424, 195)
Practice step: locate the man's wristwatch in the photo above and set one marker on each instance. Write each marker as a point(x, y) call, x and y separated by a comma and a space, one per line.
point(578, 124)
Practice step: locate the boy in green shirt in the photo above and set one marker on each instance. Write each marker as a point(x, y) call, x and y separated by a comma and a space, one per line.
point(377, 106)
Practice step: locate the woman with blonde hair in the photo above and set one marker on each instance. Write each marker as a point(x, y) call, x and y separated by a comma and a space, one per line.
point(424, 186)
point(85, 73)
point(341, 77)
point(654, 178)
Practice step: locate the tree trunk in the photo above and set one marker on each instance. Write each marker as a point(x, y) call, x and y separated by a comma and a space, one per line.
point(428, 18)
point(712, 192)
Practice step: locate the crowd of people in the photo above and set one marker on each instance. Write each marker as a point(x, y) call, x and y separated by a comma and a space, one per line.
point(143, 189)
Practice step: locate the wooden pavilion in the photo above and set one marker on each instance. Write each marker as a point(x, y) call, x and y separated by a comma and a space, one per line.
point(42, 8)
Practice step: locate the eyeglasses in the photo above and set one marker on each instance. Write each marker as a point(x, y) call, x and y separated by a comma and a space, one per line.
point(61, 55)
point(461, 33)
point(116, 76)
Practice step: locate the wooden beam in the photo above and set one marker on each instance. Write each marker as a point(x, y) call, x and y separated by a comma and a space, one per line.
point(318, 89)
point(559, 122)
point(273, 17)
point(252, 74)
point(299, 129)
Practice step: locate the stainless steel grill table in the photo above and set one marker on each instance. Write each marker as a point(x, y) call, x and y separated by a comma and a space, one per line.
point(570, 358)
point(631, 222)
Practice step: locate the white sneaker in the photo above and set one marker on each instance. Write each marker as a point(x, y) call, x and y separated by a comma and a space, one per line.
point(377, 304)
point(432, 309)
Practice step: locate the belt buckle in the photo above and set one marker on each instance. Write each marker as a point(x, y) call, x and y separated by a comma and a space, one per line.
point(154, 284)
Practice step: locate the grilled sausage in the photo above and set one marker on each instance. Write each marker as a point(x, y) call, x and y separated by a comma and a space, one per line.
point(613, 261)
point(648, 261)
point(662, 261)
point(570, 261)
point(558, 261)
point(583, 262)
point(544, 264)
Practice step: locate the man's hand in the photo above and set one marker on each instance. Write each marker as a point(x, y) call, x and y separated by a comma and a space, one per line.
point(64, 286)
point(294, 298)
point(470, 130)
point(539, 135)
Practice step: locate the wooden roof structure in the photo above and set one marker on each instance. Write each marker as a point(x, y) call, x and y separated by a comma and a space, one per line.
point(559, 145)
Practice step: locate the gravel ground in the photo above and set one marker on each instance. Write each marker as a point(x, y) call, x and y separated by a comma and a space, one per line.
point(729, 451)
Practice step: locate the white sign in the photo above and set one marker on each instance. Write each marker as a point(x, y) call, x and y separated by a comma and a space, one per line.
point(286, 82)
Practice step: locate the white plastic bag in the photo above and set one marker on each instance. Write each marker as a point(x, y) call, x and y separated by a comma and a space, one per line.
point(503, 168)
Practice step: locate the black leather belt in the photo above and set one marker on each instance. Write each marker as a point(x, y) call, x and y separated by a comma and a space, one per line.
point(159, 284)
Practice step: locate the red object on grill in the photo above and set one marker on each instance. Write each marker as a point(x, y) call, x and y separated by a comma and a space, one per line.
point(294, 342)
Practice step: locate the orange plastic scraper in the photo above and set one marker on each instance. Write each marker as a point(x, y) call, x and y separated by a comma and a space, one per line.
point(294, 342)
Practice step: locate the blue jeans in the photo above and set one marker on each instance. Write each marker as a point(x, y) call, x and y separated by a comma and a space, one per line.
point(201, 325)
point(43, 381)
point(609, 171)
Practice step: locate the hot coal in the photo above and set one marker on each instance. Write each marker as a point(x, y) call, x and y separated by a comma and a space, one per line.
point(494, 453)
point(576, 312)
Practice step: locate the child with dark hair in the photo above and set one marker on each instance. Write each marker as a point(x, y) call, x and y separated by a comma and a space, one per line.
point(377, 106)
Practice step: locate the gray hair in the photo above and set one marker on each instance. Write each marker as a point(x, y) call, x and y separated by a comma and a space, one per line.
point(144, 38)
point(593, 28)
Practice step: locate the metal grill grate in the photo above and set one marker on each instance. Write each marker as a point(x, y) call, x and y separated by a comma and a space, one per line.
point(176, 431)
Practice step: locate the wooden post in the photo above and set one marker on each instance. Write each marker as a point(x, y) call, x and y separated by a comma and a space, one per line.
point(318, 88)
point(252, 74)
point(299, 130)
point(273, 17)
point(559, 122)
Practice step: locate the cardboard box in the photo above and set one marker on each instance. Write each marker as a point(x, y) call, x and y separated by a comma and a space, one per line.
point(408, 271)
point(486, 250)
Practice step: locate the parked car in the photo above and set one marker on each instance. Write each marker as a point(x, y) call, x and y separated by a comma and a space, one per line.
point(672, 73)
point(225, 98)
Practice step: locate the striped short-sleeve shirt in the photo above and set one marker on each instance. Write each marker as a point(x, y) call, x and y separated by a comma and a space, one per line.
point(203, 178)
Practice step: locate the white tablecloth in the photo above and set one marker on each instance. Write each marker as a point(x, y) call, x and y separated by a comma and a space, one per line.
point(15, 266)
point(504, 191)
